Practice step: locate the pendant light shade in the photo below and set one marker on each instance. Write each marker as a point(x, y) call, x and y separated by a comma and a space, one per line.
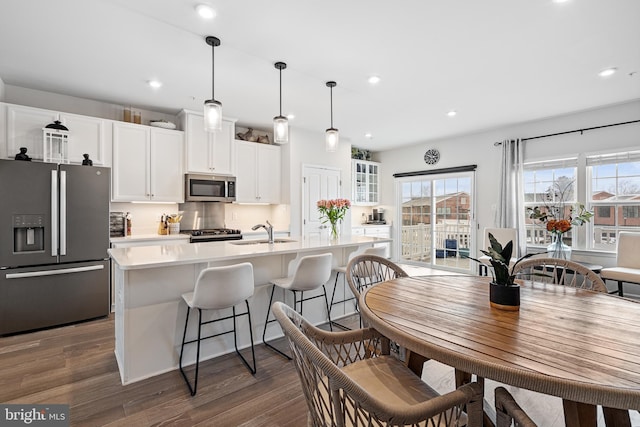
point(280, 123)
point(212, 108)
point(331, 136)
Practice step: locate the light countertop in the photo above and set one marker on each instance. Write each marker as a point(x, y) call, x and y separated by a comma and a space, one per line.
point(141, 257)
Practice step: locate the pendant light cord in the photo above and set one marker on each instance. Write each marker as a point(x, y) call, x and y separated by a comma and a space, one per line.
point(331, 97)
point(213, 70)
point(280, 91)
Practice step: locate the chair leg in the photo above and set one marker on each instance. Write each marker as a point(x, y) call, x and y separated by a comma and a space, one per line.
point(235, 340)
point(333, 294)
point(267, 321)
point(326, 303)
point(193, 389)
point(620, 292)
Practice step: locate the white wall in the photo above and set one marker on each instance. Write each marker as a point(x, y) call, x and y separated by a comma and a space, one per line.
point(307, 148)
point(2, 90)
point(478, 148)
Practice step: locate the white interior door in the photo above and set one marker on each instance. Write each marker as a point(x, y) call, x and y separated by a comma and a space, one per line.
point(318, 183)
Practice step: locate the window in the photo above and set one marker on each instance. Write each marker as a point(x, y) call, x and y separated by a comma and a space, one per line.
point(614, 188)
point(610, 189)
point(547, 186)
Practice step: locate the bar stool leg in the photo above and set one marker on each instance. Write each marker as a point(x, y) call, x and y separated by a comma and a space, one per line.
point(235, 340)
point(267, 321)
point(326, 303)
point(193, 389)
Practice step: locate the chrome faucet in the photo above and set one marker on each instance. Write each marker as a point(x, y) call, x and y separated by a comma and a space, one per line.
point(269, 229)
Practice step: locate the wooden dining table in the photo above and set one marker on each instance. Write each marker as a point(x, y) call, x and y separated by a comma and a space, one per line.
point(579, 345)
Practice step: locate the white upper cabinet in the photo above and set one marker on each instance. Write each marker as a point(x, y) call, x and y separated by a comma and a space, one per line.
point(86, 134)
point(365, 182)
point(258, 172)
point(207, 152)
point(147, 164)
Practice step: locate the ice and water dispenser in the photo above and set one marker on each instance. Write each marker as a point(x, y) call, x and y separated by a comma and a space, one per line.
point(28, 233)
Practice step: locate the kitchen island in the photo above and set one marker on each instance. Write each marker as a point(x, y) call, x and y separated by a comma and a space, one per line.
point(150, 312)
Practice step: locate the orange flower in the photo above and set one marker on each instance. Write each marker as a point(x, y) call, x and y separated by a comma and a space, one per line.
point(563, 225)
point(551, 225)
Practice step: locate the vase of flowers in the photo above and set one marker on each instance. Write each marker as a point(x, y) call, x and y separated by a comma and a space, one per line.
point(332, 211)
point(559, 218)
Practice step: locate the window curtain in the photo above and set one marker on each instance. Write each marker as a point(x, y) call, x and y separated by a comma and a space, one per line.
point(510, 211)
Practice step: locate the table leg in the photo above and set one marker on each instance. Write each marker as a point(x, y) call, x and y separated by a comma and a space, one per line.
point(415, 362)
point(578, 414)
point(616, 417)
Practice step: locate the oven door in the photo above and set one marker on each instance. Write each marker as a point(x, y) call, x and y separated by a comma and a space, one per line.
point(207, 188)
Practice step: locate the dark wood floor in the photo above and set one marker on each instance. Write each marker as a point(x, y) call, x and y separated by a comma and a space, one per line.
point(76, 365)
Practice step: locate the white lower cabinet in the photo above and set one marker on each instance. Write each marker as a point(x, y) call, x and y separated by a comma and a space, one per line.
point(147, 164)
point(258, 172)
point(375, 231)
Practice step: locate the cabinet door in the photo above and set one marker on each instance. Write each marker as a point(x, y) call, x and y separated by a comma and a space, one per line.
point(246, 173)
point(221, 148)
point(198, 144)
point(269, 174)
point(86, 135)
point(130, 172)
point(24, 129)
point(167, 180)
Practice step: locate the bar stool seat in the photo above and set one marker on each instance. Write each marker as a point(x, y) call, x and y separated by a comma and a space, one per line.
point(219, 288)
point(312, 272)
point(375, 250)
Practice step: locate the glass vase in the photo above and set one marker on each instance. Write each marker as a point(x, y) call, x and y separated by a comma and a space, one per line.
point(335, 231)
point(557, 248)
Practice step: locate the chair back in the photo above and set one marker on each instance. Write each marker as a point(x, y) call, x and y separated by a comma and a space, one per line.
point(366, 270)
point(503, 236)
point(312, 272)
point(223, 287)
point(559, 272)
point(335, 399)
point(508, 412)
point(628, 249)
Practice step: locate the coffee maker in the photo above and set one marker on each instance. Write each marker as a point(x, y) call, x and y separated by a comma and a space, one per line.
point(377, 217)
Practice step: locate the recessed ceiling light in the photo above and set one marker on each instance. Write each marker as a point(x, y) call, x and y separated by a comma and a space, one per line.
point(374, 80)
point(607, 72)
point(452, 113)
point(205, 11)
point(155, 83)
point(291, 116)
point(368, 135)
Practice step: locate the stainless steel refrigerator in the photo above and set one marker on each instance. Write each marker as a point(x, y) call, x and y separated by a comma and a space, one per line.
point(54, 236)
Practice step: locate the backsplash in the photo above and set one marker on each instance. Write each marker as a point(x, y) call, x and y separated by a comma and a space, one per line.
point(145, 216)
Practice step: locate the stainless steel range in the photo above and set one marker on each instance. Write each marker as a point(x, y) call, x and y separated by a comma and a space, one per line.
point(212, 235)
point(204, 222)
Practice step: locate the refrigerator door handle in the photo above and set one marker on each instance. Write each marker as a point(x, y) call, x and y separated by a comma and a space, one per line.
point(63, 212)
point(54, 272)
point(54, 213)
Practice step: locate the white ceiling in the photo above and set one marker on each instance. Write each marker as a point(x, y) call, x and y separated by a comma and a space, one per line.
point(496, 62)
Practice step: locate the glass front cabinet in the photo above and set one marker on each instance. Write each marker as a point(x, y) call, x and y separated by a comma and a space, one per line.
point(366, 182)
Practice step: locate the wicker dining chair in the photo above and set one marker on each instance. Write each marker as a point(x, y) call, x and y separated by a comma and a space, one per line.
point(559, 272)
point(508, 412)
point(350, 379)
point(367, 270)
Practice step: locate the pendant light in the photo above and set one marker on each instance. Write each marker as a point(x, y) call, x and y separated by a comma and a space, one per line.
point(280, 123)
point(212, 108)
point(331, 135)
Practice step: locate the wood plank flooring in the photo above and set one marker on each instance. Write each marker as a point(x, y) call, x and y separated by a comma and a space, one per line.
point(76, 365)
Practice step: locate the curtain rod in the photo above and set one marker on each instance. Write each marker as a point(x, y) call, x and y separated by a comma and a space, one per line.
point(573, 131)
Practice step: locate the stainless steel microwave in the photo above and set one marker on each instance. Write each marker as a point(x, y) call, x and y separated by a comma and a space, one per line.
point(210, 188)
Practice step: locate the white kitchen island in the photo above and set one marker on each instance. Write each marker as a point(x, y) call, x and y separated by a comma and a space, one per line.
point(150, 312)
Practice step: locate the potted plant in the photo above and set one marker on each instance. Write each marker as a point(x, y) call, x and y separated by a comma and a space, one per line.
point(504, 292)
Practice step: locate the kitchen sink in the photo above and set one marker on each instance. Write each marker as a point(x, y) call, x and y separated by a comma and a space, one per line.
point(260, 242)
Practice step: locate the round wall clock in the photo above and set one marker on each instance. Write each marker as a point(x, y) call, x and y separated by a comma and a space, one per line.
point(432, 156)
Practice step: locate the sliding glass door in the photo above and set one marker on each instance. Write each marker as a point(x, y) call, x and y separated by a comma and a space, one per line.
point(436, 216)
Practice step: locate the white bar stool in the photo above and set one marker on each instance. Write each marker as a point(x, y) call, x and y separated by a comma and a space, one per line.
point(375, 250)
point(312, 272)
point(219, 288)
